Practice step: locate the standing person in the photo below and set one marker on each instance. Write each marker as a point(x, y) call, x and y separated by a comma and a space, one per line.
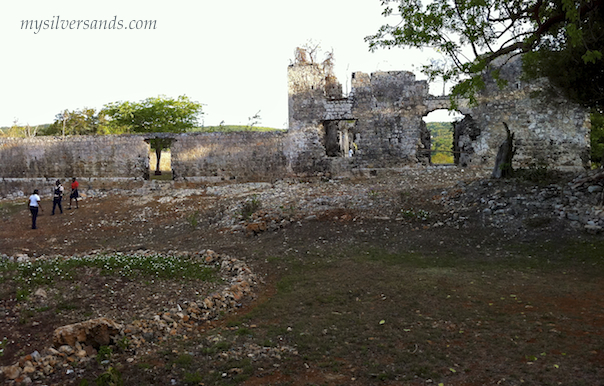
point(34, 205)
point(58, 197)
point(74, 193)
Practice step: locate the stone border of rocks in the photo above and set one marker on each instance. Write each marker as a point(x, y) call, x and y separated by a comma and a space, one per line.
point(78, 343)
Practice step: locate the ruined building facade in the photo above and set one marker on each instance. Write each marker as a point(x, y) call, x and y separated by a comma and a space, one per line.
point(381, 121)
point(378, 125)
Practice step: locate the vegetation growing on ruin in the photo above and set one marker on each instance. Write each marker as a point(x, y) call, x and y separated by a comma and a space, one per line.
point(562, 40)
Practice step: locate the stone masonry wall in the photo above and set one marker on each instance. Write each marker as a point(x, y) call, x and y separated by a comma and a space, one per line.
point(237, 155)
point(308, 107)
point(97, 162)
point(378, 125)
point(549, 130)
point(81, 156)
point(387, 109)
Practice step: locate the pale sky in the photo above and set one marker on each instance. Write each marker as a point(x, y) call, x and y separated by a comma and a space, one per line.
point(231, 56)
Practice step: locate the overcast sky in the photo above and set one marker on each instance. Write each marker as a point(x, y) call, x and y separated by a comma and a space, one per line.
point(232, 56)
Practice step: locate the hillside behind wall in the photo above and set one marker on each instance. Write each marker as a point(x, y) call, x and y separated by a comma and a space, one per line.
point(28, 163)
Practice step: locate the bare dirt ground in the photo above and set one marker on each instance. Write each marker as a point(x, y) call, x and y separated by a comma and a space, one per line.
point(400, 212)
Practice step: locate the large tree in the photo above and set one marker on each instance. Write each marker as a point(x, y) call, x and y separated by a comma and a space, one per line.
point(562, 39)
point(154, 115)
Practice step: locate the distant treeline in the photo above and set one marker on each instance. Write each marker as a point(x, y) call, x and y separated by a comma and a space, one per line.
point(47, 130)
point(231, 128)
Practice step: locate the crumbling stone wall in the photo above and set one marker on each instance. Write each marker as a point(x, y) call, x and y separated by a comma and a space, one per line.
point(388, 109)
point(549, 130)
point(122, 161)
point(388, 131)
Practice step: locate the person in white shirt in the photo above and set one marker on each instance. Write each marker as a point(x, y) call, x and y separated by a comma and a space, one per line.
point(34, 205)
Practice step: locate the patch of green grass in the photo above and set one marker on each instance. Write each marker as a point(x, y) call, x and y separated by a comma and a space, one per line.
point(104, 354)
point(111, 377)
point(411, 316)
point(66, 305)
point(244, 331)
point(10, 208)
point(22, 294)
point(184, 360)
point(37, 273)
point(418, 214)
point(250, 206)
point(193, 378)
point(193, 219)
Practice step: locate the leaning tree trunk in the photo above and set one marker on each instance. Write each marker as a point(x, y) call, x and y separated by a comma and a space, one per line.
point(503, 162)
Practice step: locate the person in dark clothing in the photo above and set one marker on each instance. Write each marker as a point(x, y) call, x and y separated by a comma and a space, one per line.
point(57, 197)
point(74, 193)
point(34, 205)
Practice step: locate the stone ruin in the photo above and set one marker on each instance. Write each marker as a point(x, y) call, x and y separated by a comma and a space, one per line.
point(378, 125)
point(381, 121)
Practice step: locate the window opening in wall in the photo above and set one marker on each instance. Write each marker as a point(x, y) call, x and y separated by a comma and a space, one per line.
point(439, 124)
point(338, 138)
point(160, 159)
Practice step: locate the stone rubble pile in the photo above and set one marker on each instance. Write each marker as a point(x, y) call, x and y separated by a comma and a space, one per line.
point(78, 343)
point(577, 203)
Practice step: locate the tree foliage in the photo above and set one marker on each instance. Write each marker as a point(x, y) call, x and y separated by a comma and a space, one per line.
point(471, 34)
point(17, 130)
point(84, 121)
point(153, 115)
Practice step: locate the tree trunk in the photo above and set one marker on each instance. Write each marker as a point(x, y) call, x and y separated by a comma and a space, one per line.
point(503, 162)
point(158, 157)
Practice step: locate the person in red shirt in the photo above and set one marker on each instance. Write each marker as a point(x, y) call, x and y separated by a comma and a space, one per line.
point(74, 193)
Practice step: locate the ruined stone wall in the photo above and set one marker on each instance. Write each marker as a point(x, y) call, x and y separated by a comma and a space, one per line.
point(238, 155)
point(381, 121)
point(549, 130)
point(308, 107)
point(388, 107)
